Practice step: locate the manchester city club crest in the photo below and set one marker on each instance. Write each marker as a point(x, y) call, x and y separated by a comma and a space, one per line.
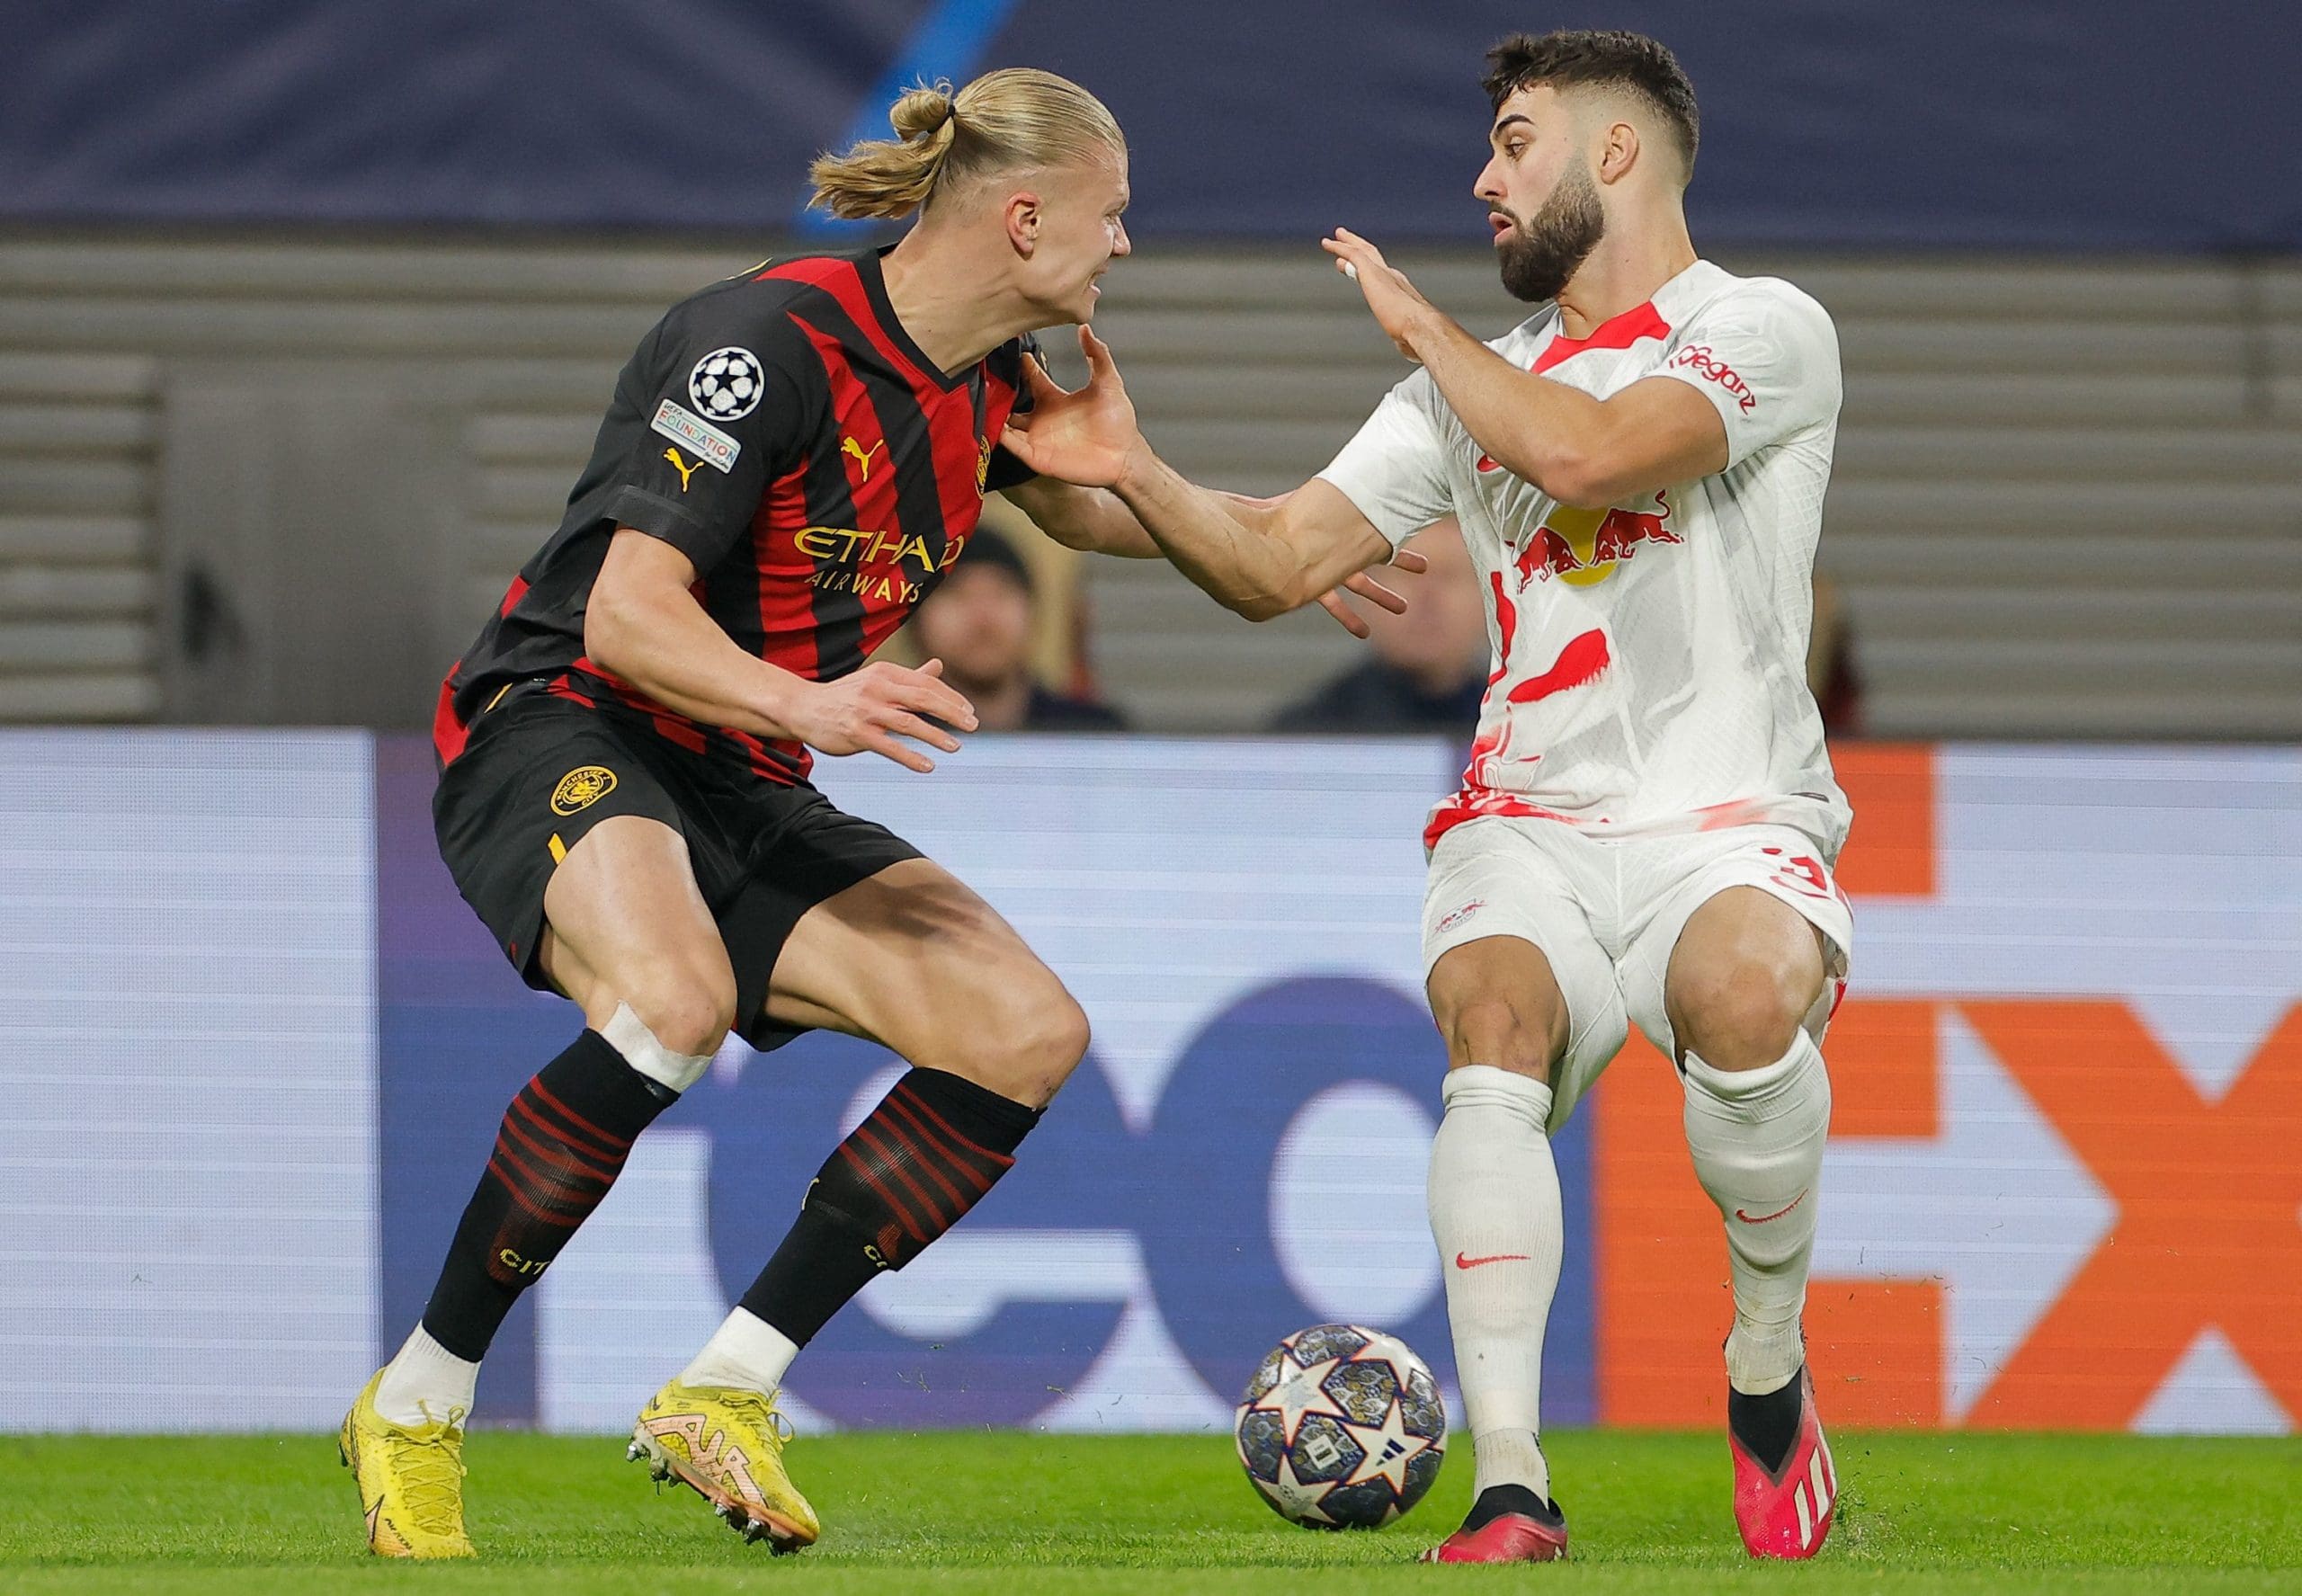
point(582, 788)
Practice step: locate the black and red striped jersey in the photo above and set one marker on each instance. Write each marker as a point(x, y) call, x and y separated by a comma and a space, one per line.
point(783, 432)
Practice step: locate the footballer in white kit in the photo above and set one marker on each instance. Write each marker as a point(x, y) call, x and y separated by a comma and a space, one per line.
point(1647, 738)
point(1647, 828)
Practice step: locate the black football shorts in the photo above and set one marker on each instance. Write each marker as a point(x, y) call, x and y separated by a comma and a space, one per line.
point(540, 771)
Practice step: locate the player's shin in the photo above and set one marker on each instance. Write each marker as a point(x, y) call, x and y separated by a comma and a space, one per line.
point(918, 1162)
point(562, 1143)
point(1757, 1140)
point(1495, 1212)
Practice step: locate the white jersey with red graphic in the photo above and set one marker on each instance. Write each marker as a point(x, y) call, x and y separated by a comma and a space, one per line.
point(1650, 658)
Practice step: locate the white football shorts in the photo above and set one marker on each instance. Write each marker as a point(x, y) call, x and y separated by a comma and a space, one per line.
point(1607, 911)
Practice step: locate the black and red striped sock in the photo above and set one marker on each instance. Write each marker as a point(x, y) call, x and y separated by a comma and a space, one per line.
point(919, 1161)
point(561, 1146)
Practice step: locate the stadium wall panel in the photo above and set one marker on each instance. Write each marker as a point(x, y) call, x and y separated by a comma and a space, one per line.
point(188, 1078)
point(255, 1049)
point(1960, 123)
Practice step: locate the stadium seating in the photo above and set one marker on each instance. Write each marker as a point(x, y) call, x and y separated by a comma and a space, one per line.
point(2064, 504)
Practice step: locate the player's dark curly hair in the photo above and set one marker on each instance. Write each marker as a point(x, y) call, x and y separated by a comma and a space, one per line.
point(1614, 59)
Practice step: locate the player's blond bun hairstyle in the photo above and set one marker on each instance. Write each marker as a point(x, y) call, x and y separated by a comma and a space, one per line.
point(1016, 118)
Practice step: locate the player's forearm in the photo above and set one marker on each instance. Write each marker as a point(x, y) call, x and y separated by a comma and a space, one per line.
point(666, 647)
point(1222, 544)
point(1540, 431)
point(1091, 520)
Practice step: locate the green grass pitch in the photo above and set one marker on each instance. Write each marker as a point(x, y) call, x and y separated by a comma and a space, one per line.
point(1010, 1514)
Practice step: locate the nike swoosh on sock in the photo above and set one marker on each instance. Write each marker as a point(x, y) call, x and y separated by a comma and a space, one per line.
point(1764, 1218)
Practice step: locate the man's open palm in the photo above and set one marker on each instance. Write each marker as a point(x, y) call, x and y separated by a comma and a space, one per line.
point(1079, 436)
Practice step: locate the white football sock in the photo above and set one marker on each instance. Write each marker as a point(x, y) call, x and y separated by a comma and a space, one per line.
point(1757, 1140)
point(424, 1383)
point(745, 1352)
point(1495, 1212)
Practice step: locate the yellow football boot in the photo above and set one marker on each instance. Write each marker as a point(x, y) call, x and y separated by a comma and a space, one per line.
point(411, 1480)
point(728, 1445)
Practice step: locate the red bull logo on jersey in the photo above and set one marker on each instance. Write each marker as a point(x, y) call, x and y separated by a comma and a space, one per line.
point(1582, 548)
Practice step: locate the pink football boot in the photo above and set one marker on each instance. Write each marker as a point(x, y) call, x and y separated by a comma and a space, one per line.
point(1507, 1524)
point(1785, 1513)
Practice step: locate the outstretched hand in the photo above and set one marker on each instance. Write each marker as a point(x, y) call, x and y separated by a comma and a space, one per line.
point(1364, 584)
point(1396, 303)
point(1080, 436)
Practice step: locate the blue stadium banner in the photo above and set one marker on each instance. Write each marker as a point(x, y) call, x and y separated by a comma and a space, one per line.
point(1963, 123)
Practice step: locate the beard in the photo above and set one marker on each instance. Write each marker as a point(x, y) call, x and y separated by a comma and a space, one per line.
point(1542, 254)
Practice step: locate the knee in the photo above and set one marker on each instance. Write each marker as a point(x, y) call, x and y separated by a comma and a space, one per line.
point(1741, 1013)
point(688, 1008)
point(1028, 1035)
point(1055, 1037)
point(1494, 1031)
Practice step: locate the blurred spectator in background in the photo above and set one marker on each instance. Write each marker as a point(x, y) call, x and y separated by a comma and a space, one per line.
point(1426, 670)
point(1831, 673)
point(979, 622)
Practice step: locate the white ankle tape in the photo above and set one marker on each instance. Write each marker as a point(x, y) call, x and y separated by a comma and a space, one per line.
point(628, 1035)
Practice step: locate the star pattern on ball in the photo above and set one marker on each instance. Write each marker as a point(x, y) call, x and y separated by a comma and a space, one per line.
point(1378, 1412)
point(1377, 1351)
point(1299, 1391)
point(1297, 1497)
point(1386, 1450)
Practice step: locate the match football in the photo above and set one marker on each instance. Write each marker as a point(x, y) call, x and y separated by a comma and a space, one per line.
point(971, 796)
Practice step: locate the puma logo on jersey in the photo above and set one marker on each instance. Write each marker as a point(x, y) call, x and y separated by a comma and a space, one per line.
point(862, 456)
point(681, 467)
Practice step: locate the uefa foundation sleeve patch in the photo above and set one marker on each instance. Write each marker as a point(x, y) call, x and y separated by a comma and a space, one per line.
point(682, 425)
